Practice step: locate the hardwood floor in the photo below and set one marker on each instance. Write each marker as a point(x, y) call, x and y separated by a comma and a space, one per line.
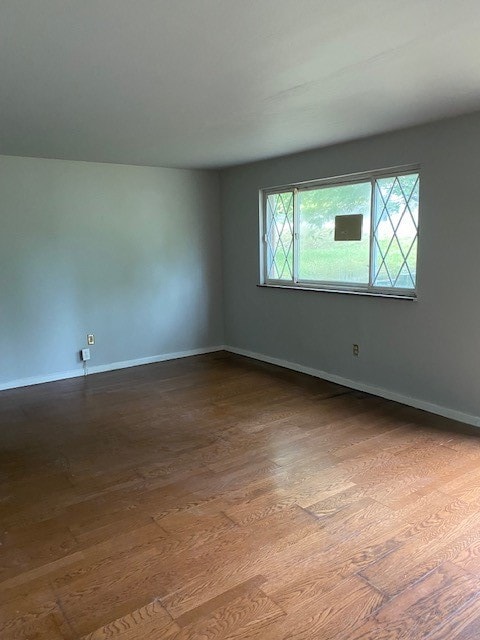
point(215, 497)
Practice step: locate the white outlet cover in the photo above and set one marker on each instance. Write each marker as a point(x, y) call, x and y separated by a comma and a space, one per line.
point(85, 354)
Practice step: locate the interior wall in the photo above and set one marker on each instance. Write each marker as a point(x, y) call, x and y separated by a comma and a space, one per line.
point(427, 349)
point(131, 254)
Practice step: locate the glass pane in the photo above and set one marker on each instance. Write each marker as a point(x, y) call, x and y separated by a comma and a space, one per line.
point(279, 236)
point(395, 231)
point(320, 256)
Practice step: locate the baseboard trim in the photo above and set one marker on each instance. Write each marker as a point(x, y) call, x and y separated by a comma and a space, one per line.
point(360, 386)
point(286, 364)
point(102, 368)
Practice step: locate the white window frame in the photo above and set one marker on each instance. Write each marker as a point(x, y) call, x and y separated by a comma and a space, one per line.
point(322, 285)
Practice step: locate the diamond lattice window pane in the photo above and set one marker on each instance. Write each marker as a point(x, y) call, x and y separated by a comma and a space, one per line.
point(279, 236)
point(395, 231)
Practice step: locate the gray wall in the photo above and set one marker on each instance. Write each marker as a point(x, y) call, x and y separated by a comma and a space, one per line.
point(131, 254)
point(429, 349)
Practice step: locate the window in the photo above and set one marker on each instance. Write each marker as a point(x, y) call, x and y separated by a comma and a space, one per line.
point(357, 233)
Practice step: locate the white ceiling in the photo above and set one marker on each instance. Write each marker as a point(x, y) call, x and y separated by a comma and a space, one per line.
point(210, 83)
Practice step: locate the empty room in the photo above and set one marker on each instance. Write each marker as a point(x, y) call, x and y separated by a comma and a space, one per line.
point(239, 320)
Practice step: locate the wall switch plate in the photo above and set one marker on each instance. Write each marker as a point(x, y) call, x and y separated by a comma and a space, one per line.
point(90, 338)
point(85, 354)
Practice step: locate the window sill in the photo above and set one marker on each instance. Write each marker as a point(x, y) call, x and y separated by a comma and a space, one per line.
point(356, 292)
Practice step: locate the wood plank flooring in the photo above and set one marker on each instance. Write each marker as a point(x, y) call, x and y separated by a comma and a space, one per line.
point(216, 498)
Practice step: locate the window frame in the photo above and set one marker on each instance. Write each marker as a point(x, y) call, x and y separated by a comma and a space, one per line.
point(325, 285)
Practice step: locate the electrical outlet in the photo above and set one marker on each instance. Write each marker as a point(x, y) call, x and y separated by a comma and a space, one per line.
point(85, 354)
point(355, 350)
point(90, 338)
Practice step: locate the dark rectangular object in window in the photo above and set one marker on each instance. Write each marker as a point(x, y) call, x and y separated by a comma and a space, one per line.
point(348, 227)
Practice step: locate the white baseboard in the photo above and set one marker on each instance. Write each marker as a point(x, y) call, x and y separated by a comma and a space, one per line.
point(360, 386)
point(101, 368)
point(317, 373)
